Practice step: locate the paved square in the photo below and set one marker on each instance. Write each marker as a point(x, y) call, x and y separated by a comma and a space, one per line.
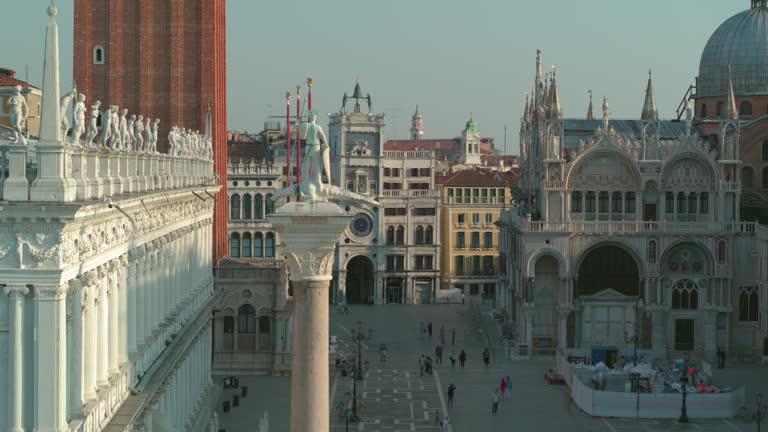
point(396, 398)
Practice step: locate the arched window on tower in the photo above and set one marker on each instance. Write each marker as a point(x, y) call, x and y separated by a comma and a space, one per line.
point(745, 109)
point(269, 245)
point(234, 245)
point(247, 206)
point(246, 245)
point(98, 54)
point(258, 245)
point(258, 207)
point(234, 207)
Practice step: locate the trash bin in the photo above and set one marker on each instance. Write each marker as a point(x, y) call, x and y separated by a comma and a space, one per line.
point(244, 391)
point(235, 400)
point(226, 406)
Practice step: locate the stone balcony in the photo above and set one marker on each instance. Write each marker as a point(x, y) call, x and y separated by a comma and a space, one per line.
point(412, 193)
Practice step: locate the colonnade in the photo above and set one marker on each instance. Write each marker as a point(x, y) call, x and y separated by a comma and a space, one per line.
point(181, 395)
point(97, 334)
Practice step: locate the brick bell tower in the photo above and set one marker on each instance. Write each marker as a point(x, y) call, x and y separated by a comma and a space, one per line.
point(162, 59)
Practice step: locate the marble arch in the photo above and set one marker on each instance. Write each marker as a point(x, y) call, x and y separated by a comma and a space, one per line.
point(695, 244)
point(609, 153)
point(534, 257)
point(641, 269)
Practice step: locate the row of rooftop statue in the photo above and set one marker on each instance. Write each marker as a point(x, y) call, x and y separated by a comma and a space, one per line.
point(117, 132)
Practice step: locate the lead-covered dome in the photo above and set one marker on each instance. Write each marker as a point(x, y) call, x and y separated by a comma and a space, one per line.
point(742, 42)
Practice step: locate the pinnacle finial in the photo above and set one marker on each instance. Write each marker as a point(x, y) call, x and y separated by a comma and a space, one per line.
point(52, 10)
point(590, 111)
point(649, 106)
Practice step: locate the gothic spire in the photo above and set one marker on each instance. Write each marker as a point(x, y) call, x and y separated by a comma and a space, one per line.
point(730, 112)
point(590, 111)
point(649, 107)
point(554, 105)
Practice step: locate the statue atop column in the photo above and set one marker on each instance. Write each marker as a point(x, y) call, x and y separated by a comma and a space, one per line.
point(19, 110)
point(63, 104)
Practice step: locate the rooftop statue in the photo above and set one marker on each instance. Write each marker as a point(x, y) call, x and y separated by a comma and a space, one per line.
point(92, 131)
point(19, 110)
point(63, 104)
point(78, 116)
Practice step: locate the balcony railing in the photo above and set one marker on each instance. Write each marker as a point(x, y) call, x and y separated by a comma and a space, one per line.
point(410, 193)
point(636, 227)
point(554, 184)
point(729, 186)
point(474, 200)
point(409, 154)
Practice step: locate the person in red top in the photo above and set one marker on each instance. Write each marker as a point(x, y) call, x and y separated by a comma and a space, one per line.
point(700, 386)
point(502, 386)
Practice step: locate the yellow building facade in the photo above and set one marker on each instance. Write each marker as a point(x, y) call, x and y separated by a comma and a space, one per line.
point(472, 201)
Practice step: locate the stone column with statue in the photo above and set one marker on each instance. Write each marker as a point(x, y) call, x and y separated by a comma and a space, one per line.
point(310, 229)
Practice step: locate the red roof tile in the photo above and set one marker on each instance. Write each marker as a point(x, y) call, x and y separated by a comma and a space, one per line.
point(7, 79)
point(481, 178)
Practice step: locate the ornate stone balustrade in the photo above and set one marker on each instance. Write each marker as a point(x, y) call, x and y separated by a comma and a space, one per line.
point(635, 227)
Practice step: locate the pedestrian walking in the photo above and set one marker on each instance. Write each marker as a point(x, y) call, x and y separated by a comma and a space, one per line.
point(437, 418)
point(429, 329)
point(507, 387)
point(422, 364)
point(495, 398)
point(445, 423)
point(453, 336)
point(486, 357)
point(453, 359)
point(462, 358)
point(502, 387)
point(451, 393)
point(383, 352)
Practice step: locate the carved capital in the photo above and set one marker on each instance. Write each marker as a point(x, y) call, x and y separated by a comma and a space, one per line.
point(56, 292)
point(124, 260)
point(311, 265)
point(17, 291)
point(75, 286)
point(103, 271)
point(90, 278)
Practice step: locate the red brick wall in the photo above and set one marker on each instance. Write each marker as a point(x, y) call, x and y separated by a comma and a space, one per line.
point(163, 59)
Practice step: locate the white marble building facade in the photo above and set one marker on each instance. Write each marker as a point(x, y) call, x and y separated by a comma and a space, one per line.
point(107, 283)
point(628, 232)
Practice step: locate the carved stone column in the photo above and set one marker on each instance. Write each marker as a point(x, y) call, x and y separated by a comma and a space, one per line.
point(310, 232)
point(123, 321)
point(102, 329)
point(50, 358)
point(16, 294)
point(112, 293)
point(75, 382)
point(89, 331)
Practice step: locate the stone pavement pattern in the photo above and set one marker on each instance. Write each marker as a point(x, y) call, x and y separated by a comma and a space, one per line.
point(397, 399)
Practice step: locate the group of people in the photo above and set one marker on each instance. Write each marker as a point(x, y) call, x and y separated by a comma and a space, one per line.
point(503, 391)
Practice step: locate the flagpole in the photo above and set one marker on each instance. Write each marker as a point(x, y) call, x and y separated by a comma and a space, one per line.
point(309, 95)
point(288, 135)
point(298, 134)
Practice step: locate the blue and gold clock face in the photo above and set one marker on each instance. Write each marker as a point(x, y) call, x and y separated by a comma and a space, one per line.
point(361, 225)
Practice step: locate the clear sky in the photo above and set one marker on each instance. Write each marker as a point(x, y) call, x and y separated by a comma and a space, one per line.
point(451, 57)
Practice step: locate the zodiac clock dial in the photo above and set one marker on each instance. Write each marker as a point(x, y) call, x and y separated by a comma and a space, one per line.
point(361, 225)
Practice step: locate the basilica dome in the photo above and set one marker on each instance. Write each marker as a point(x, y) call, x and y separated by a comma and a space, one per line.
point(742, 43)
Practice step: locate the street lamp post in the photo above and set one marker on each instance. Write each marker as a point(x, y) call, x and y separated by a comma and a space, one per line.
point(684, 385)
point(359, 336)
